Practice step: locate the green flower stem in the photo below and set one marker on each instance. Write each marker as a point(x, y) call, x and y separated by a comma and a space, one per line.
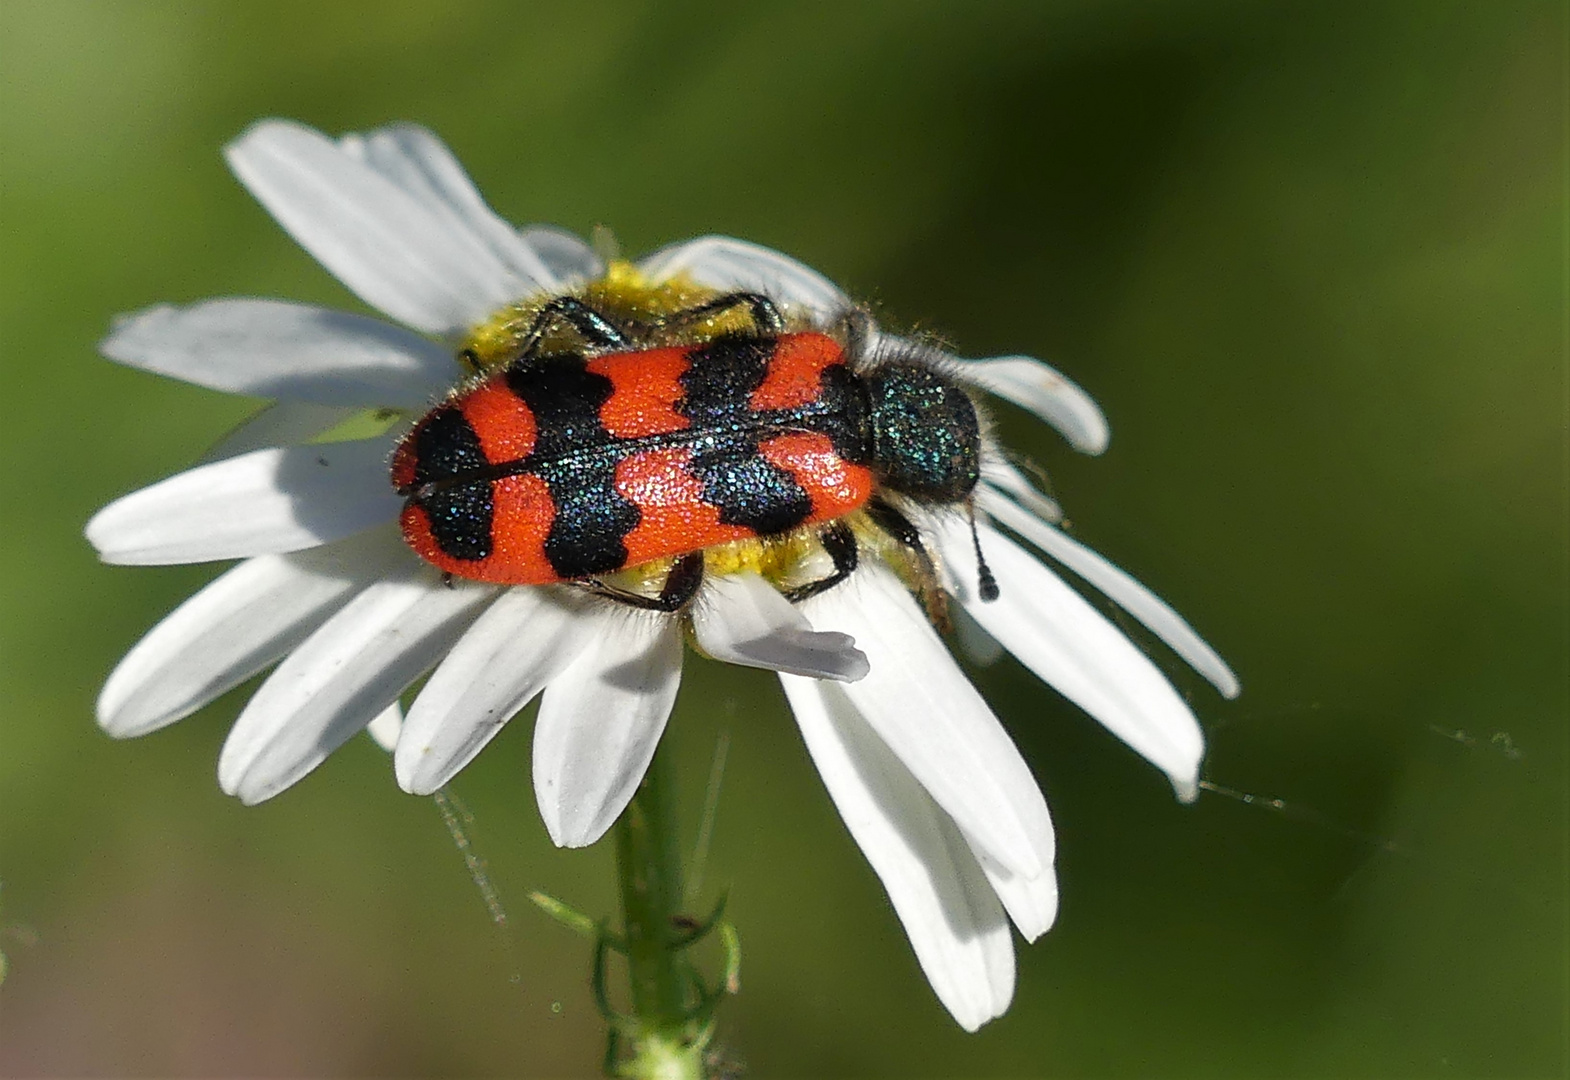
point(649, 861)
point(663, 1041)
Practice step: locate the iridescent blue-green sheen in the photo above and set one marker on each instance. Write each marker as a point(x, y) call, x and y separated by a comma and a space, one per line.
point(925, 435)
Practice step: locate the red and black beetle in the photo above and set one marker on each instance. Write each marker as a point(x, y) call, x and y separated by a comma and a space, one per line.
point(568, 466)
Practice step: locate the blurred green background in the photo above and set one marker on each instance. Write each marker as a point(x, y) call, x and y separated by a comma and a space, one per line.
point(1310, 258)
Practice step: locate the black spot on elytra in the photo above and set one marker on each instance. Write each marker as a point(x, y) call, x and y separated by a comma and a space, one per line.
point(460, 515)
point(721, 378)
point(460, 518)
point(446, 446)
point(841, 414)
point(748, 490)
point(592, 518)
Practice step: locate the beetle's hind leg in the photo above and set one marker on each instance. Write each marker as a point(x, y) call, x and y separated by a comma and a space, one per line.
point(903, 532)
point(682, 582)
point(840, 544)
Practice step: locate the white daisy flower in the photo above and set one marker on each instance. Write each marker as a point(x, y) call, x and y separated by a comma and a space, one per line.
point(329, 596)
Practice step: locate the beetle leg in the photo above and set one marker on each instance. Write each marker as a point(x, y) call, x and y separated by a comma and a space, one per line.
point(681, 585)
point(840, 543)
point(766, 316)
point(595, 329)
point(906, 535)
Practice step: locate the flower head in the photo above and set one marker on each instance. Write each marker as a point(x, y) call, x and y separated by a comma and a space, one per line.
point(330, 597)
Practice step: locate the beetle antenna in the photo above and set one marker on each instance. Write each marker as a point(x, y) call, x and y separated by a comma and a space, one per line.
point(986, 584)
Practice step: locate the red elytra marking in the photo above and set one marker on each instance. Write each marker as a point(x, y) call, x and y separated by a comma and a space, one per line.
point(645, 389)
point(795, 375)
point(520, 522)
point(416, 528)
point(404, 460)
point(500, 418)
point(675, 518)
point(416, 525)
point(835, 486)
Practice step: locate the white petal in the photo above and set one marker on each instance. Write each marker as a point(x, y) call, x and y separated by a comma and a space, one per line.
point(236, 626)
point(1053, 631)
point(974, 640)
point(421, 164)
point(520, 644)
point(564, 253)
point(1035, 386)
point(742, 619)
point(1127, 593)
point(274, 349)
point(262, 503)
point(338, 680)
point(1007, 478)
point(921, 704)
point(721, 262)
point(385, 728)
point(1032, 903)
point(599, 723)
point(286, 423)
point(946, 905)
point(388, 246)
